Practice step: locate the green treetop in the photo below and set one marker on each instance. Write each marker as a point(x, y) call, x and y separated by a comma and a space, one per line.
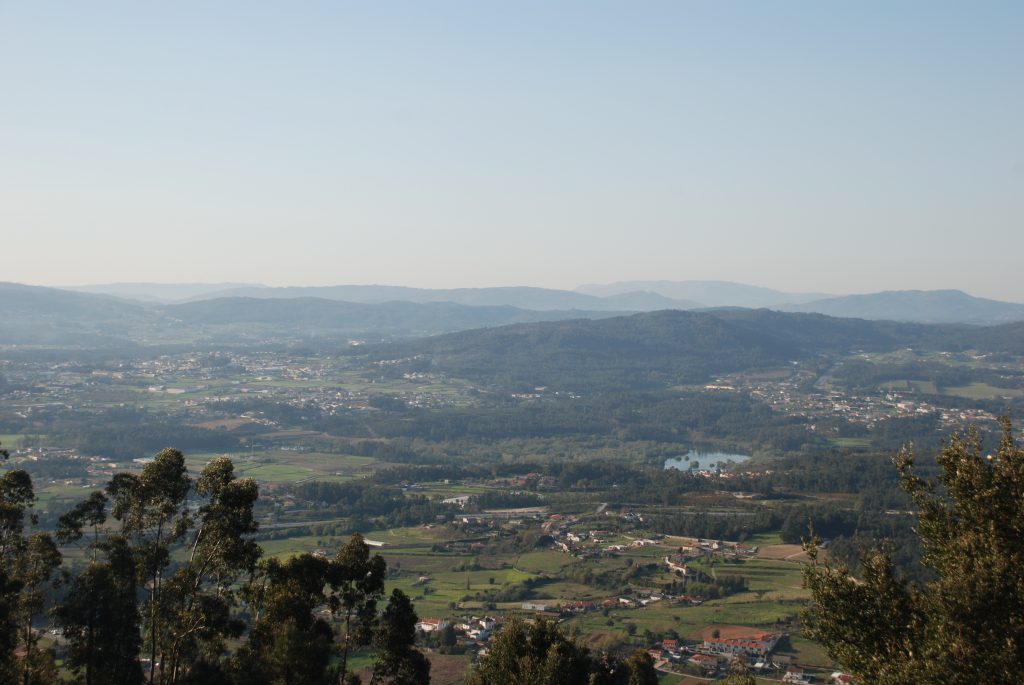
point(967, 626)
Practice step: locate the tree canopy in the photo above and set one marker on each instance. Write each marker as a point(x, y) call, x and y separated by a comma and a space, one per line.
point(540, 654)
point(967, 625)
point(172, 572)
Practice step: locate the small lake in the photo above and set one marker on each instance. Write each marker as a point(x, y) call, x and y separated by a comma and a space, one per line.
point(705, 460)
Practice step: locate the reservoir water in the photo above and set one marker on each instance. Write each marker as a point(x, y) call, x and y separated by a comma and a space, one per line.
point(705, 460)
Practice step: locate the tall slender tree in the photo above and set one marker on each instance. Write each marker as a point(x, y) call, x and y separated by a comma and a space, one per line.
point(92, 512)
point(35, 567)
point(15, 496)
point(28, 561)
point(201, 593)
point(100, 617)
point(289, 644)
point(357, 585)
point(151, 509)
point(398, 661)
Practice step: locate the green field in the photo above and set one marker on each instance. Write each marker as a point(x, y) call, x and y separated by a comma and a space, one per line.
point(274, 473)
point(286, 466)
point(851, 442)
point(59, 496)
point(546, 561)
point(10, 440)
point(439, 583)
point(982, 391)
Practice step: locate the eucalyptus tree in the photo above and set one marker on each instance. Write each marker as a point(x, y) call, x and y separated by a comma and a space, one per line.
point(541, 654)
point(28, 563)
point(537, 654)
point(151, 508)
point(398, 661)
point(8, 626)
point(357, 584)
point(100, 617)
point(92, 511)
point(35, 568)
point(202, 592)
point(15, 496)
point(189, 606)
point(290, 643)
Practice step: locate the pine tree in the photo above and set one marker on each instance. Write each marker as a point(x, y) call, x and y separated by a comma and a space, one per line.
point(965, 627)
point(399, 662)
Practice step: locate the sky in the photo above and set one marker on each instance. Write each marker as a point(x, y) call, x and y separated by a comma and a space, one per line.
point(806, 146)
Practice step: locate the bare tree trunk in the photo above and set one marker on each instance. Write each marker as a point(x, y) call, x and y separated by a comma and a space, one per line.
point(152, 627)
point(153, 595)
point(28, 652)
point(344, 652)
point(88, 647)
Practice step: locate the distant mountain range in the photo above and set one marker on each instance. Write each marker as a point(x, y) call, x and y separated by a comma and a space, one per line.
point(32, 315)
point(538, 299)
point(165, 293)
point(317, 315)
point(498, 345)
point(708, 293)
point(923, 306)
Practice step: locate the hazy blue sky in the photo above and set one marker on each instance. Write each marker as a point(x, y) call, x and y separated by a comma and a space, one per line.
point(827, 146)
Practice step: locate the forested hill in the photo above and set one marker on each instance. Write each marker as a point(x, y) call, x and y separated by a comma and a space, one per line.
point(922, 306)
point(50, 316)
point(662, 348)
point(312, 313)
point(33, 315)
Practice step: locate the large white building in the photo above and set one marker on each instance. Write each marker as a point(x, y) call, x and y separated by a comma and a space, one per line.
point(756, 645)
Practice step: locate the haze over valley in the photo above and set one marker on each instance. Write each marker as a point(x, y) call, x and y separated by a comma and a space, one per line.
point(144, 313)
point(451, 343)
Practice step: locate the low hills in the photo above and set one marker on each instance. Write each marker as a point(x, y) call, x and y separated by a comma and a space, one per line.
point(708, 293)
point(35, 315)
point(722, 338)
point(385, 318)
point(672, 347)
point(925, 306)
point(538, 299)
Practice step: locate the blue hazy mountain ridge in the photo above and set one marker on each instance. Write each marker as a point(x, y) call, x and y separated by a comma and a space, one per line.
point(708, 293)
point(407, 318)
point(523, 297)
point(923, 306)
point(34, 315)
point(165, 293)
